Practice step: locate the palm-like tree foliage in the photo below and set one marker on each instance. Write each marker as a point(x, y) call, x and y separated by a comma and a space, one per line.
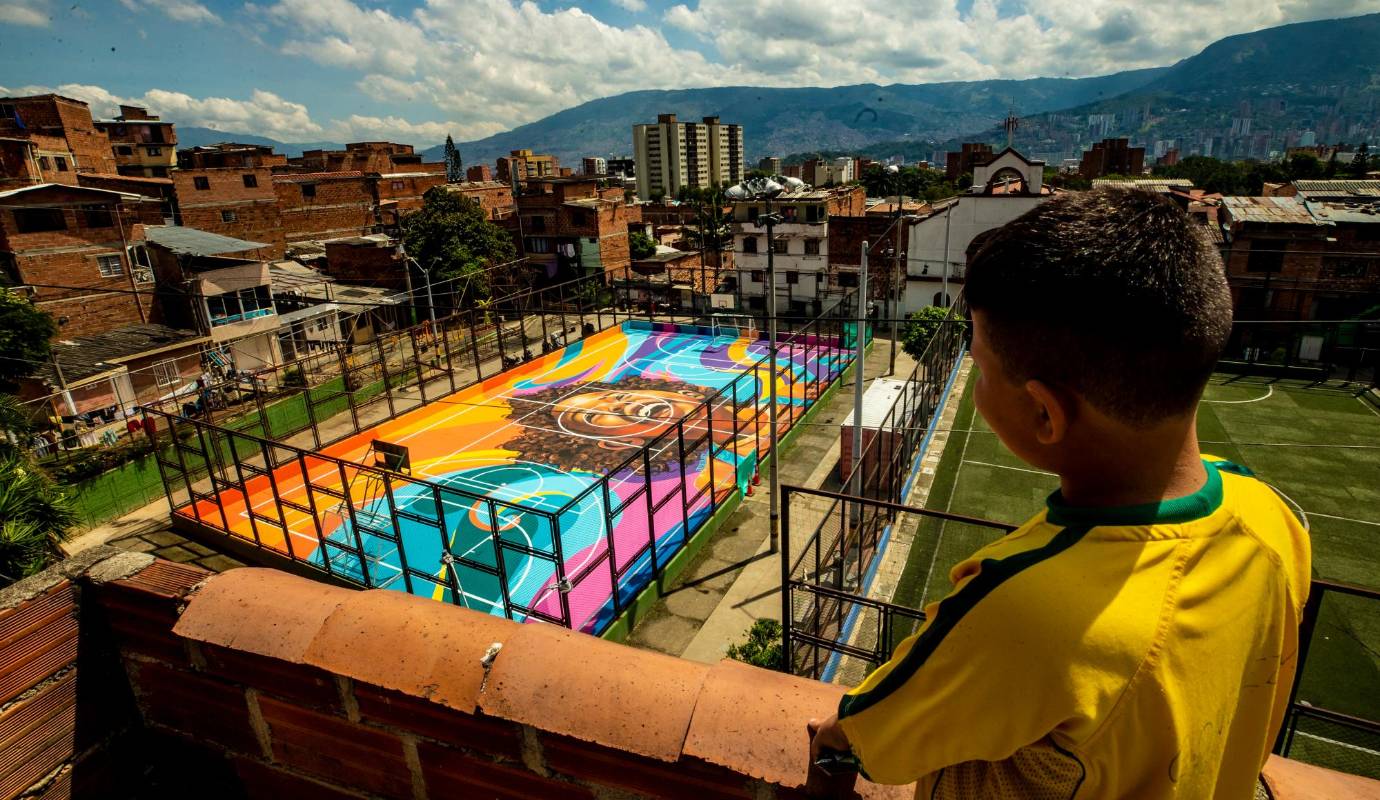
point(34, 513)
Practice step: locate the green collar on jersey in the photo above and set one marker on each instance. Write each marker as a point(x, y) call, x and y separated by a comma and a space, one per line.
point(1165, 512)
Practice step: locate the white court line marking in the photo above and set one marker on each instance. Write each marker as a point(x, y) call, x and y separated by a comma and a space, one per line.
point(1004, 466)
point(1269, 390)
point(1347, 745)
point(1343, 519)
point(939, 538)
point(1368, 406)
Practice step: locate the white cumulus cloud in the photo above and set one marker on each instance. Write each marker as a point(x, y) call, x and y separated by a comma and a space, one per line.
point(30, 13)
point(180, 10)
point(634, 6)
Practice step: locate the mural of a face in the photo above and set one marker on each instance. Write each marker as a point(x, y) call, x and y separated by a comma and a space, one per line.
point(623, 418)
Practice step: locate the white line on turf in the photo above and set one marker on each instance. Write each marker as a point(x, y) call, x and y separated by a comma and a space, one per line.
point(948, 506)
point(1368, 406)
point(1344, 519)
point(1269, 391)
point(1347, 745)
point(1004, 466)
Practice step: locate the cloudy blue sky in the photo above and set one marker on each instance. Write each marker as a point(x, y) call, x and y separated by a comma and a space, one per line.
point(304, 70)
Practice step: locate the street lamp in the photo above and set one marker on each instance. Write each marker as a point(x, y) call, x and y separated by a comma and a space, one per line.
point(426, 272)
point(767, 189)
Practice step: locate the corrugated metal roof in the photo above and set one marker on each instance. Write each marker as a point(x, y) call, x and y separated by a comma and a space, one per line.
point(38, 186)
point(1364, 212)
point(1148, 184)
point(186, 241)
point(1270, 210)
point(312, 177)
point(1338, 188)
point(84, 357)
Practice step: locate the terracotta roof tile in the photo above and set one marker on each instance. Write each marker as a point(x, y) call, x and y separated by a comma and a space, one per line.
point(752, 721)
point(597, 691)
point(287, 611)
point(415, 645)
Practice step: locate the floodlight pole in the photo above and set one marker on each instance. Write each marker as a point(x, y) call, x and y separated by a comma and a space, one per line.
point(858, 371)
point(773, 439)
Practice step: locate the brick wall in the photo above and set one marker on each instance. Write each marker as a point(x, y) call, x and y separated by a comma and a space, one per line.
point(342, 206)
point(494, 197)
point(405, 191)
point(93, 314)
point(117, 669)
point(371, 264)
point(255, 210)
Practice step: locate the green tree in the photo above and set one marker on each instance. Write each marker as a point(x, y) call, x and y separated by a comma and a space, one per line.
point(455, 168)
point(25, 335)
point(641, 245)
point(921, 326)
point(763, 645)
point(1302, 166)
point(34, 513)
point(454, 238)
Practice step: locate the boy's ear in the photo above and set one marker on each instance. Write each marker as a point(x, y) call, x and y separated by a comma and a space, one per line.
point(1053, 411)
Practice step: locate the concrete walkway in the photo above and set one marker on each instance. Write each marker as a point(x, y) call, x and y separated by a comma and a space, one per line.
point(736, 580)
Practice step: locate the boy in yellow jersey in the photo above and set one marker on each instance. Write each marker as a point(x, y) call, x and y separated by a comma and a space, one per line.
point(1137, 637)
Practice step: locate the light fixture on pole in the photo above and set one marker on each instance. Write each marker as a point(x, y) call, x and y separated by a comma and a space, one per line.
point(768, 189)
point(430, 304)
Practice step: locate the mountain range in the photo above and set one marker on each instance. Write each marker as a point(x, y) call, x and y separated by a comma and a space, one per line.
point(1292, 73)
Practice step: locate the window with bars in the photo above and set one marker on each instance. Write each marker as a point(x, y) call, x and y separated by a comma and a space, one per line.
point(811, 247)
point(250, 181)
point(229, 216)
point(201, 184)
point(165, 373)
point(778, 246)
point(750, 244)
point(109, 266)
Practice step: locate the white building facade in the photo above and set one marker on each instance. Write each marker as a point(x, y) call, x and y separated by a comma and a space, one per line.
point(670, 155)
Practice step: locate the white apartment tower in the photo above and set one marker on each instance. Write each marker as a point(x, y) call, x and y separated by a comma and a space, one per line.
point(671, 154)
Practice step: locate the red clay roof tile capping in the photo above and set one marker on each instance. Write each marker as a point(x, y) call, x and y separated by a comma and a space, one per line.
point(742, 718)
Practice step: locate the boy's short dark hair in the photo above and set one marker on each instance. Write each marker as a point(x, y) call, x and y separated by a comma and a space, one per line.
point(1113, 293)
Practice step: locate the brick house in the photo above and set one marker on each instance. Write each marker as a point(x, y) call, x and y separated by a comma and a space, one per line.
point(143, 145)
point(96, 381)
point(235, 201)
point(569, 227)
point(317, 206)
point(89, 239)
point(160, 189)
point(378, 157)
point(496, 197)
point(229, 154)
point(49, 139)
point(367, 260)
point(1315, 255)
point(400, 193)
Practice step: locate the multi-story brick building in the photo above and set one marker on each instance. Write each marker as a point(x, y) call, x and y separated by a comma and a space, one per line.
point(49, 139)
point(318, 206)
point(237, 201)
point(800, 246)
point(671, 155)
point(400, 193)
point(378, 157)
point(229, 154)
point(160, 189)
point(971, 156)
point(368, 260)
point(1112, 157)
point(82, 252)
point(570, 227)
point(524, 165)
point(594, 165)
point(1315, 255)
point(479, 173)
point(143, 145)
point(496, 197)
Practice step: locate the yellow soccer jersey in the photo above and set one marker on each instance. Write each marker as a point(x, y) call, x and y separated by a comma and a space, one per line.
point(1134, 652)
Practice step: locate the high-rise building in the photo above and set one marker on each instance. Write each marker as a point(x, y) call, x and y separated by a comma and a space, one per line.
point(594, 165)
point(770, 165)
point(671, 155)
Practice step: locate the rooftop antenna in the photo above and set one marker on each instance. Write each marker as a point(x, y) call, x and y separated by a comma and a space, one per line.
point(1010, 124)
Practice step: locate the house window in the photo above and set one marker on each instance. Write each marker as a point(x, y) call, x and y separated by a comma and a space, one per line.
point(155, 151)
point(815, 214)
point(43, 163)
point(789, 213)
point(752, 214)
point(159, 172)
point(397, 186)
point(778, 246)
point(238, 306)
point(165, 373)
point(538, 244)
point(109, 266)
point(811, 247)
point(124, 151)
point(96, 216)
point(537, 223)
point(1266, 256)
point(250, 181)
point(308, 191)
point(229, 216)
point(757, 276)
point(61, 163)
point(750, 244)
point(37, 220)
point(201, 183)
point(792, 277)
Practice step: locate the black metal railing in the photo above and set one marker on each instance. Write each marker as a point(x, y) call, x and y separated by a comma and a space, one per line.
point(235, 473)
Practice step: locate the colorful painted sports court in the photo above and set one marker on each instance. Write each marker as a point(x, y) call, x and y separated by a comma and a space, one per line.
point(554, 490)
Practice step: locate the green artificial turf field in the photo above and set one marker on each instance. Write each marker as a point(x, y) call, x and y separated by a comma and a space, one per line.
point(1317, 444)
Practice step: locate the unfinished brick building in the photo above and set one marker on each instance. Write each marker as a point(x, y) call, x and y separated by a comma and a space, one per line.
point(495, 197)
point(236, 201)
point(49, 139)
point(570, 226)
point(143, 144)
point(318, 206)
point(90, 240)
